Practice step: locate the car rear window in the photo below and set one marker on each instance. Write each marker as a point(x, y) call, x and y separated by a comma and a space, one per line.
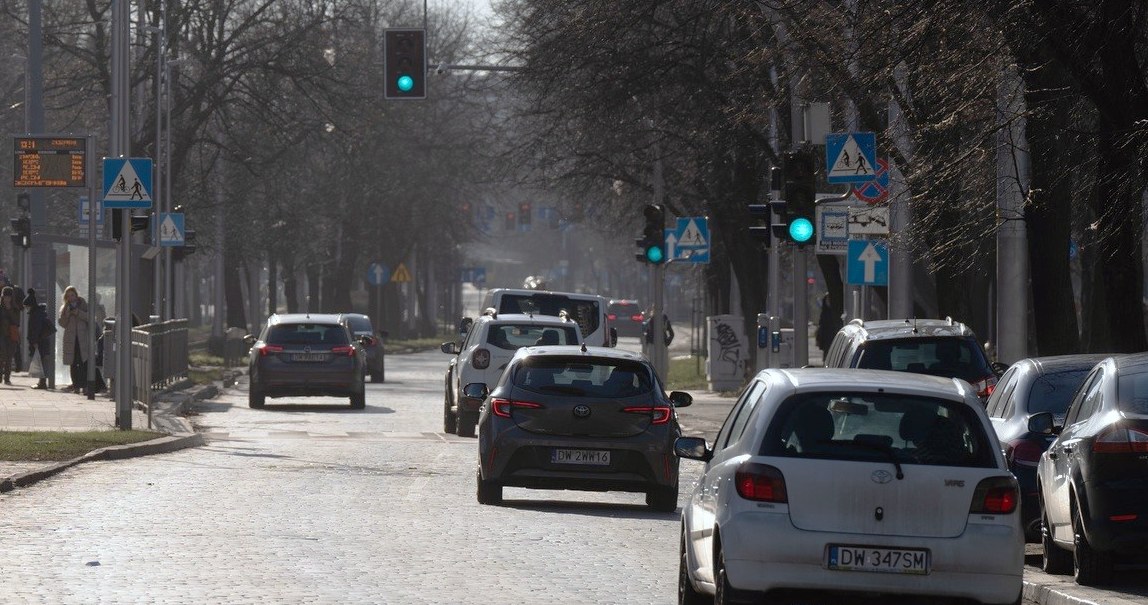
point(950, 357)
point(624, 310)
point(307, 334)
point(878, 427)
point(1053, 391)
point(1132, 393)
point(585, 313)
point(359, 325)
point(583, 376)
point(512, 337)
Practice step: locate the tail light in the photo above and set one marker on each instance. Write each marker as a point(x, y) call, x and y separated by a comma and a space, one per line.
point(347, 350)
point(637, 317)
point(480, 359)
point(1023, 452)
point(995, 496)
point(661, 413)
point(266, 350)
point(1120, 440)
point(503, 407)
point(985, 386)
point(760, 482)
point(611, 317)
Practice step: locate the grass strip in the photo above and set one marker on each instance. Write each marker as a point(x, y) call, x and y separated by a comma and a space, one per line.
point(35, 446)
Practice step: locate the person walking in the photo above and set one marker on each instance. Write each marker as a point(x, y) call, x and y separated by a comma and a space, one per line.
point(828, 324)
point(74, 318)
point(9, 332)
point(41, 339)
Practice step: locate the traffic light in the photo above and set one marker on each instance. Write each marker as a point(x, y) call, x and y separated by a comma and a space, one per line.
point(22, 232)
point(524, 214)
point(405, 64)
point(799, 193)
point(189, 246)
point(510, 224)
point(652, 244)
point(24, 201)
point(139, 223)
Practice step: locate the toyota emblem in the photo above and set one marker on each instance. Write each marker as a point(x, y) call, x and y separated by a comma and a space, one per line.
point(581, 410)
point(881, 477)
point(307, 349)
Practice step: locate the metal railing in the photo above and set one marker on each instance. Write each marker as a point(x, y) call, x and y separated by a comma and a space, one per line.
point(159, 359)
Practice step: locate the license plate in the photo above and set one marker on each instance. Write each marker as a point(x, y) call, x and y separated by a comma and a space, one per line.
point(309, 357)
point(594, 457)
point(883, 560)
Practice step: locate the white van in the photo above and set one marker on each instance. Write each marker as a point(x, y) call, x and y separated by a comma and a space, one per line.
point(588, 310)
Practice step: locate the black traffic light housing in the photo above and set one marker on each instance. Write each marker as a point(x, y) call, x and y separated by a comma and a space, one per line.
point(21, 232)
point(139, 223)
point(24, 201)
point(404, 64)
point(799, 190)
point(188, 247)
point(652, 244)
point(524, 214)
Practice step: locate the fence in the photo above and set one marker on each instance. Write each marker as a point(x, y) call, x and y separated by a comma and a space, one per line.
point(159, 358)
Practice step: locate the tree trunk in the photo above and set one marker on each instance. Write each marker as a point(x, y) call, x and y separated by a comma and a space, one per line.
point(233, 294)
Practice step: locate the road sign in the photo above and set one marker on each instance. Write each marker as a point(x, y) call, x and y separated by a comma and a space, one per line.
point(832, 232)
point(851, 157)
point(869, 220)
point(876, 190)
point(84, 212)
point(401, 275)
point(868, 263)
point(473, 275)
point(127, 183)
point(689, 240)
point(50, 161)
point(170, 229)
point(378, 274)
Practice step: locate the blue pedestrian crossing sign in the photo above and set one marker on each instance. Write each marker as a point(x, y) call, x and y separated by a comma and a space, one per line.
point(170, 229)
point(127, 183)
point(378, 274)
point(851, 157)
point(689, 240)
point(868, 263)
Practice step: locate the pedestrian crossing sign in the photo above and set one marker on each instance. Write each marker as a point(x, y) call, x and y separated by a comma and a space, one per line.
point(171, 229)
point(127, 183)
point(851, 157)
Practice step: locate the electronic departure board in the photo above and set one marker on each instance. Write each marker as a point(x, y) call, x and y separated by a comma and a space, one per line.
point(50, 161)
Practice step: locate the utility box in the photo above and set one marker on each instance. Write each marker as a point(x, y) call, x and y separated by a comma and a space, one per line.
point(728, 353)
point(781, 344)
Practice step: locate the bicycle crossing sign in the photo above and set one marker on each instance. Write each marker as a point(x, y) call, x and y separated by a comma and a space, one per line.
point(127, 183)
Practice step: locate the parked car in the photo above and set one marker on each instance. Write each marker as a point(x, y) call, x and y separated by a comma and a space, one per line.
point(489, 344)
point(305, 355)
point(844, 482)
point(587, 310)
point(1093, 479)
point(360, 325)
point(626, 316)
point(938, 347)
point(583, 418)
point(1031, 386)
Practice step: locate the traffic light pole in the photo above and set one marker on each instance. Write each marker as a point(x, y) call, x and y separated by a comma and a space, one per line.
point(659, 354)
point(120, 147)
point(773, 291)
point(800, 308)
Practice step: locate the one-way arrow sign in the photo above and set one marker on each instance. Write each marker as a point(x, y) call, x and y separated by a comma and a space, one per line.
point(868, 263)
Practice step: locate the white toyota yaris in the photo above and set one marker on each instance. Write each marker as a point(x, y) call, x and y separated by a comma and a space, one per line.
point(842, 482)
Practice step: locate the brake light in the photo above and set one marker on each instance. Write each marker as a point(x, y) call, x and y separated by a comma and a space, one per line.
point(995, 496)
point(760, 482)
point(266, 350)
point(636, 317)
point(347, 350)
point(503, 407)
point(1120, 440)
point(1023, 452)
point(661, 413)
point(611, 317)
point(985, 386)
point(480, 359)
point(1122, 517)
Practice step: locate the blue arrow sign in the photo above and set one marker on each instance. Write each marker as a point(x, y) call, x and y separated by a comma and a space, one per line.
point(868, 263)
point(127, 183)
point(378, 274)
point(851, 157)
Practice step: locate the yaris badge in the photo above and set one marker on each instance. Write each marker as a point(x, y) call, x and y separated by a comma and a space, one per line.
point(581, 410)
point(881, 477)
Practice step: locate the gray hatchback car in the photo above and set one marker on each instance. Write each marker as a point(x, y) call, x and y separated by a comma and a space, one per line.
point(583, 418)
point(305, 355)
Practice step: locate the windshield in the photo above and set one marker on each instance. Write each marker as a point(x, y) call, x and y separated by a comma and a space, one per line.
point(950, 357)
point(511, 337)
point(1132, 392)
point(1053, 392)
point(307, 334)
point(359, 325)
point(583, 376)
point(584, 312)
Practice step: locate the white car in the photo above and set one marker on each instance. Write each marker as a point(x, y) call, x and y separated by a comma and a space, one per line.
point(488, 346)
point(852, 481)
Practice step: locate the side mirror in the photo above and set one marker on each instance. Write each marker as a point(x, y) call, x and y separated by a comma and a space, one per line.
point(681, 399)
point(450, 348)
point(367, 341)
point(693, 448)
point(1042, 423)
point(613, 337)
point(475, 390)
point(249, 340)
point(998, 368)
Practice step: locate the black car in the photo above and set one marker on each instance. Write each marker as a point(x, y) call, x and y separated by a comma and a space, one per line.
point(360, 325)
point(584, 418)
point(1093, 479)
point(1031, 386)
point(305, 355)
point(626, 316)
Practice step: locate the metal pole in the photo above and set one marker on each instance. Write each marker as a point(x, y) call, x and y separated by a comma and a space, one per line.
point(773, 287)
point(168, 206)
point(800, 309)
point(93, 325)
point(159, 272)
point(119, 142)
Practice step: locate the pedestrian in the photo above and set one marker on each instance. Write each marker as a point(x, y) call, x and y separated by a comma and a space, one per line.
point(667, 329)
point(74, 318)
point(827, 324)
point(41, 339)
point(9, 332)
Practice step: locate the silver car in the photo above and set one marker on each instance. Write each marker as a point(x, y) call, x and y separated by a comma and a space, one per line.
point(852, 482)
point(585, 418)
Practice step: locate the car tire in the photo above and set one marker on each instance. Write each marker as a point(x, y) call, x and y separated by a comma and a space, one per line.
point(687, 594)
point(377, 376)
point(1089, 566)
point(449, 419)
point(359, 400)
point(725, 594)
point(1054, 560)
point(663, 499)
point(467, 423)
point(489, 492)
point(255, 399)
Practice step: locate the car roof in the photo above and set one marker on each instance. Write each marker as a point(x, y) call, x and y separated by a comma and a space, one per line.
point(295, 318)
point(519, 318)
point(888, 329)
point(623, 301)
point(567, 350)
point(528, 292)
point(817, 379)
point(356, 315)
point(1133, 362)
point(1056, 363)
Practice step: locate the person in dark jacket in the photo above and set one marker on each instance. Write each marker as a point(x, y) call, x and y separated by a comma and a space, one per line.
point(827, 324)
point(41, 338)
point(9, 333)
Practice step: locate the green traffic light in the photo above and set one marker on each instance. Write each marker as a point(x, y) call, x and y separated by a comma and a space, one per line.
point(655, 254)
point(405, 83)
point(800, 230)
